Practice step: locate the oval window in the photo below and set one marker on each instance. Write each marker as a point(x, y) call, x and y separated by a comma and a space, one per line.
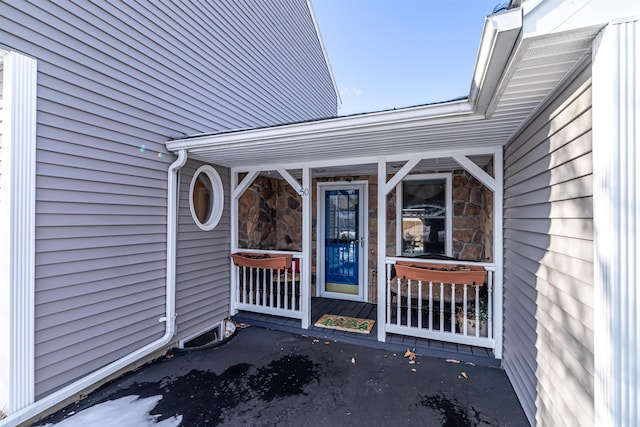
point(206, 197)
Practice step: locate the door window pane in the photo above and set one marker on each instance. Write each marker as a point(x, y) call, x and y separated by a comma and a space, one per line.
point(341, 240)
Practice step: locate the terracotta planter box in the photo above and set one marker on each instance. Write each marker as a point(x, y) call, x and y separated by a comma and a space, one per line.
point(273, 262)
point(428, 272)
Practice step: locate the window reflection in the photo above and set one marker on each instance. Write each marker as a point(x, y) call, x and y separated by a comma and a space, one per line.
point(202, 192)
point(423, 217)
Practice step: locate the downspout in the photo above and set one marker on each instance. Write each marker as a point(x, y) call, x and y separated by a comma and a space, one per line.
point(172, 231)
point(27, 413)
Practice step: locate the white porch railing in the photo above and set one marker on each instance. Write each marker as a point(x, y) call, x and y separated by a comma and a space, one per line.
point(442, 311)
point(276, 292)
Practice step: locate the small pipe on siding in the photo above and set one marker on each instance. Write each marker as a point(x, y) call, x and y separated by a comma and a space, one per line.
point(47, 402)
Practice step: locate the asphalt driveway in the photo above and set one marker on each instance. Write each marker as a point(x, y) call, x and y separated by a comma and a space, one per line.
point(266, 377)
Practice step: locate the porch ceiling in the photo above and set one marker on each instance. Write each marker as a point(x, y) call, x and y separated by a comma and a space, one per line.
point(513, 85)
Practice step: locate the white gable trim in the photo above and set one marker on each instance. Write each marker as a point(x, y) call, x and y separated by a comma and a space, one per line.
point(324, 53)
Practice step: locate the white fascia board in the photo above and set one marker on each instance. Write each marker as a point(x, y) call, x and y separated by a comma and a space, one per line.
point(499, 36)
point(446, 112)
point(543, 17)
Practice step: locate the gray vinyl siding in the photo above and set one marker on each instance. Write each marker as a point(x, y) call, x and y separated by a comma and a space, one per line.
point(548, 237)
point(203, 272)
point(116, 80)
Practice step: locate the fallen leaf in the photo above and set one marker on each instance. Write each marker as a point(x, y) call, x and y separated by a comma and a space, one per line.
point(169, 356)
point(410, 354)
point(413, 369)
point(315, 341)
point(353, 360)
point(411, 362)
point(453, 361)
point(464, 375)
point(327, 342)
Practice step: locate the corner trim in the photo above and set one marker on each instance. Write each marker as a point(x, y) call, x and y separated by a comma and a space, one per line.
point(17, 222)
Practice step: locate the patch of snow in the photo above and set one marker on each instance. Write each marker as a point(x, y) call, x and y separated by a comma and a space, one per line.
point(128, 411)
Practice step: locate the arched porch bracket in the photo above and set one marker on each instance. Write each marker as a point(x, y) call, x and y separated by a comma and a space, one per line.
point(476, 171)
point(251, 176)
point(404, 171)
point(291, 180)
point(244, 184)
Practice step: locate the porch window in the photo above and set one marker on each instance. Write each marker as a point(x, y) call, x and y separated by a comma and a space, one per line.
point(206, 197)
point(424, 207)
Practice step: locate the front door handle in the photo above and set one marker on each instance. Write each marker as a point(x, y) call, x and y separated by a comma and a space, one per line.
point(361, 241)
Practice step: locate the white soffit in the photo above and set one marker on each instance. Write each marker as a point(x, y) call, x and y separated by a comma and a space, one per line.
point(528, 74)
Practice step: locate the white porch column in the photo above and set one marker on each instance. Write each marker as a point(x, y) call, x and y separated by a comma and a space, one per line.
point(17, 231)
point(306, 193)
point(616, 192)
point(234, 209)
point(233, 203)
point(382, 249)
point(498, 250)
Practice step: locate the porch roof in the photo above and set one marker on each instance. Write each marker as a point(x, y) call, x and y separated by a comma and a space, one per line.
point(515, 72)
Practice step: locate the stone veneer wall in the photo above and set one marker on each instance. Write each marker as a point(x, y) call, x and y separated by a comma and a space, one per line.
point(486, 219)
point(468, 204)
point(270, 217)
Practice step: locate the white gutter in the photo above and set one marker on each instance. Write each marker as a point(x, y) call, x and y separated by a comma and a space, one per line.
point(499, 40)
point(47, 402)
point(435, 113)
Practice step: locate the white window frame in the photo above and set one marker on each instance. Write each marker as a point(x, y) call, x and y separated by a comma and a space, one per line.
point(448, 222)
point(217, 197)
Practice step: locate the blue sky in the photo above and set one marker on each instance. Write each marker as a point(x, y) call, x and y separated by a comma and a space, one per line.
point(398, 53)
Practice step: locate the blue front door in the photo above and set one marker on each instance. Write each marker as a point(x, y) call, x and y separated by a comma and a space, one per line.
point(343, 242)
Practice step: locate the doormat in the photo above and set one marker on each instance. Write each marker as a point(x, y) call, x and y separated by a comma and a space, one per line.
point(344, 323)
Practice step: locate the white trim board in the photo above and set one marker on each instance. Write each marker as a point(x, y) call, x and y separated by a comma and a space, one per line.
point(17, 231)
point(616, 219)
